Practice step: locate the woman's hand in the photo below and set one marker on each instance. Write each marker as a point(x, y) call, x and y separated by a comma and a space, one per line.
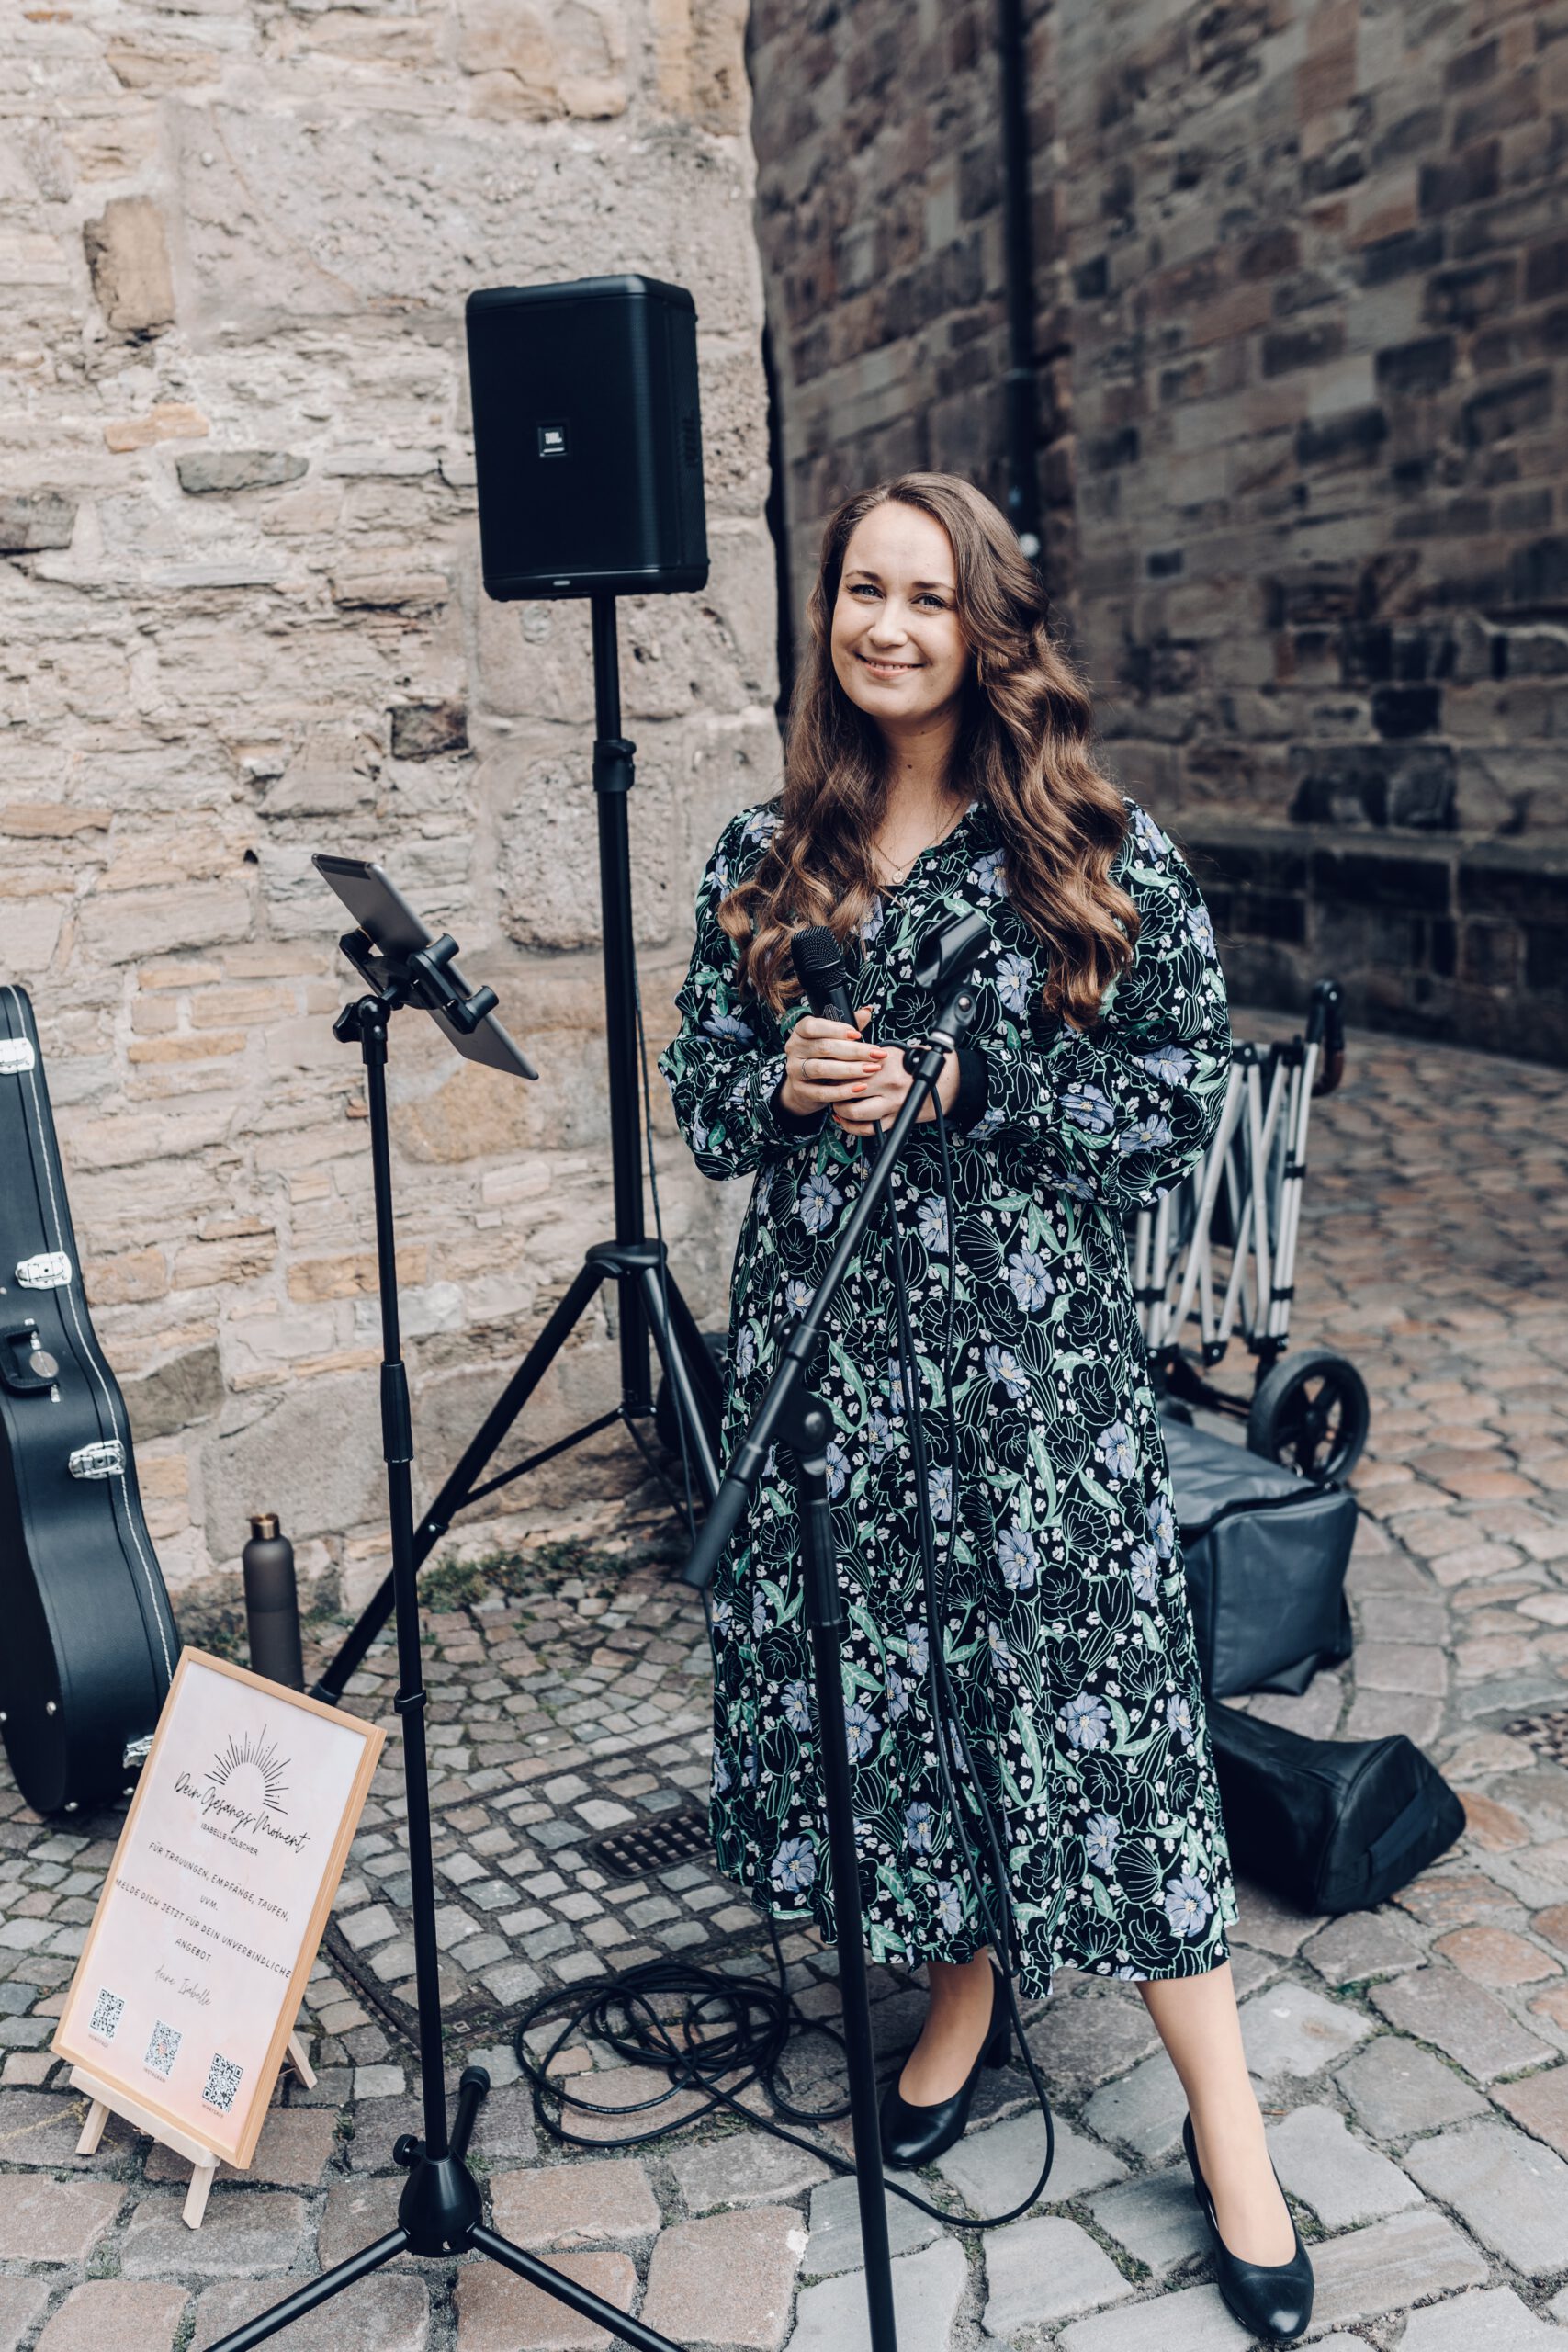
point(827, 1063)
point(883, 1096)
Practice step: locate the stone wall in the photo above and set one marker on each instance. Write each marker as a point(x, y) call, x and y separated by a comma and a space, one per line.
point(242, 621)
point(1303, 313)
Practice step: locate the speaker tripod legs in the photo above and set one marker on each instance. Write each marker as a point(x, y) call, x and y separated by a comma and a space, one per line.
point(641, 1273)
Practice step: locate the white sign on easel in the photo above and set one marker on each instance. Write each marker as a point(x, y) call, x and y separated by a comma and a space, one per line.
point(183, 2006)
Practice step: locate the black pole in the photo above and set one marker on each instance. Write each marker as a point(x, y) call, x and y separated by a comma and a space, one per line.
point(810, 1428)
point(441, 2209)
point(397, 1445)
point(1018, 247)
point(613, 775)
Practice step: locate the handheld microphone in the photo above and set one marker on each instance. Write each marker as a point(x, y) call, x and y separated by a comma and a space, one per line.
point(823, 974)
point(824, 977)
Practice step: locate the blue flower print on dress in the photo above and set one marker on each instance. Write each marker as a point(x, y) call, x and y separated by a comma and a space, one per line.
point(949, 1906)
point(837, 1467)
point(718, 1781)
point(1086, 1721)
point(1162, 1526)
point(919, 1824)
point(1015, 981)
point(939, 1485)
point(1002, 1367)
point(1018, 1558)
point(1151, 1133)
point(860, 1728)
point(882, 1431)
point(987, 873)
point(1169, 1063)
point(916, 1642)
point(762, 824)
point(1089, 1107)
point(1033, 1285)
point(793, 1866)
point(1100, 1833)
point(1178, 1715)
point(760, 1615)
point(1076, 1187)
point(1148, 833)
point(930, 1223)
point(819, 1196)
point(1200, 930)
point(729, 1024)
point(897, 1695)
point(798, 1295)
point(1187, 1904)
point(989, 1123)
point(1144, 1563)
point(1115, 1450)
point(745, 1352)
point(797, 1706)
point(873, 923)
point(997, 1641)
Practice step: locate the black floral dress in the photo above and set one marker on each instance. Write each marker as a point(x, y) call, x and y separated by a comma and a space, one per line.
point(1069, 1634)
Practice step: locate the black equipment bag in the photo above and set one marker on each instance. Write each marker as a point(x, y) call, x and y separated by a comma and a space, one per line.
point(87, 1639)
point(1329, 1824)
point(1266, 1552)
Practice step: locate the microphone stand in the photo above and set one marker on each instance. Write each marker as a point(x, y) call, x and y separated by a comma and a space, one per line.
point(792, 1416)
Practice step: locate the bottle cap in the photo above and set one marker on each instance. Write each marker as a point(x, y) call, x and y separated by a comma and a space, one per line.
point(264, 1523)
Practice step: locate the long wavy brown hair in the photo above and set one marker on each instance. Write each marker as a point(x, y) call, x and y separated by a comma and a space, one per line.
point(1022, 745)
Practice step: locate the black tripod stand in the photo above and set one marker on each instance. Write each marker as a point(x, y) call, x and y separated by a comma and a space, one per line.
point(439, 2212)
point(790, 1415)
point(647, 1300)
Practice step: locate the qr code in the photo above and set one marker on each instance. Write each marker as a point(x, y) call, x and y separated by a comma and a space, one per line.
point(223, 2079)
point(108, 2010)
point(163, 2049)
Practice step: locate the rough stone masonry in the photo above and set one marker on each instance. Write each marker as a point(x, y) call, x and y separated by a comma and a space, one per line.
point(1302, 313)
point(242, 620)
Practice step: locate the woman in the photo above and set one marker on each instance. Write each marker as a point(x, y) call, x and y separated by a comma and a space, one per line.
point(938, 761)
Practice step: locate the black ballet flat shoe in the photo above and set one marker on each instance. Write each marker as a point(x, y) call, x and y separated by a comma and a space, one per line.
point(1271, 2301)
point(913, 2136)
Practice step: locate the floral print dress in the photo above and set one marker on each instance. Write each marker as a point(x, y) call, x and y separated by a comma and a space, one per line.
point(1067, 1631)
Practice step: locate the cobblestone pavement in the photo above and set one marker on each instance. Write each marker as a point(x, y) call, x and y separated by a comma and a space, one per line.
point(1413, 2062)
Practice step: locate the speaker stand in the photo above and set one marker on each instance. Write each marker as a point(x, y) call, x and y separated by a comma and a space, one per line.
point(648, 1299)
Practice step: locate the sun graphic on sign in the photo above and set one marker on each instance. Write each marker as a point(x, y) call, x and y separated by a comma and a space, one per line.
point(255, 1766)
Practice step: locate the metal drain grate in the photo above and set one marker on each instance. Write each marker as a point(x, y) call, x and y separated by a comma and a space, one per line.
point(1547, 1734)
point(653, 1845)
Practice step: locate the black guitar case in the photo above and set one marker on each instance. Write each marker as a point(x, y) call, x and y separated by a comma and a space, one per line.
point(87, 1638)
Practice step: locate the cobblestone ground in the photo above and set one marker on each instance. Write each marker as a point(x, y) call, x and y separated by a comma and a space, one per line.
point(1412, 2060)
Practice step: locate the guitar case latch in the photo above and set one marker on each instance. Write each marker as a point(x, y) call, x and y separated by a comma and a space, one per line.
point(51, 1270)
point(106, 1459)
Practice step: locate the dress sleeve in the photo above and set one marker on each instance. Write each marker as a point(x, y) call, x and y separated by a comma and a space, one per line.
point(726, 1062)
point(1120, 1113)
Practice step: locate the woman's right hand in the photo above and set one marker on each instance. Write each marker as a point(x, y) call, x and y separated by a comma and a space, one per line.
point(827, 1062)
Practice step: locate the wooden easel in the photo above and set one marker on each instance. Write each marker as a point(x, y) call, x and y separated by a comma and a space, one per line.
point(108, 2099)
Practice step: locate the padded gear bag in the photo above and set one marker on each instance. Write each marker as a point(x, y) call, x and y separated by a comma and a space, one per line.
point(1329, 1824)
point(1266, 1552)
point(87, 1639)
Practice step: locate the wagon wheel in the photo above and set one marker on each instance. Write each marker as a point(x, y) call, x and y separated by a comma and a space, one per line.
point(1310, 1413)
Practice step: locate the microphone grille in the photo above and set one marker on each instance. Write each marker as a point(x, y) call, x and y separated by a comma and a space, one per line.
point(815, 952)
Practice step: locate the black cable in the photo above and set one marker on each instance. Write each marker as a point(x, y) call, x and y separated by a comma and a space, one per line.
point(659, 1237)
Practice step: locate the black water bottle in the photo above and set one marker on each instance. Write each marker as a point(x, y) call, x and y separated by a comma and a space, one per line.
point(272, 1604)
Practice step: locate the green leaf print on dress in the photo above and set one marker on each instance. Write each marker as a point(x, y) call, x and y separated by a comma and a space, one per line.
point(1067, 1626)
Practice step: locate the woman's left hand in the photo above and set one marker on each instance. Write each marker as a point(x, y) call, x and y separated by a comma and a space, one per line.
point(885, 1096)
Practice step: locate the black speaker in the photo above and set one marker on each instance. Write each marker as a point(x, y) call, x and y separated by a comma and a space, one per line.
point(587, 437)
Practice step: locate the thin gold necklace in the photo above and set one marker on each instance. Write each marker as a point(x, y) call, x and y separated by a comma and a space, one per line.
point(902, 873)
